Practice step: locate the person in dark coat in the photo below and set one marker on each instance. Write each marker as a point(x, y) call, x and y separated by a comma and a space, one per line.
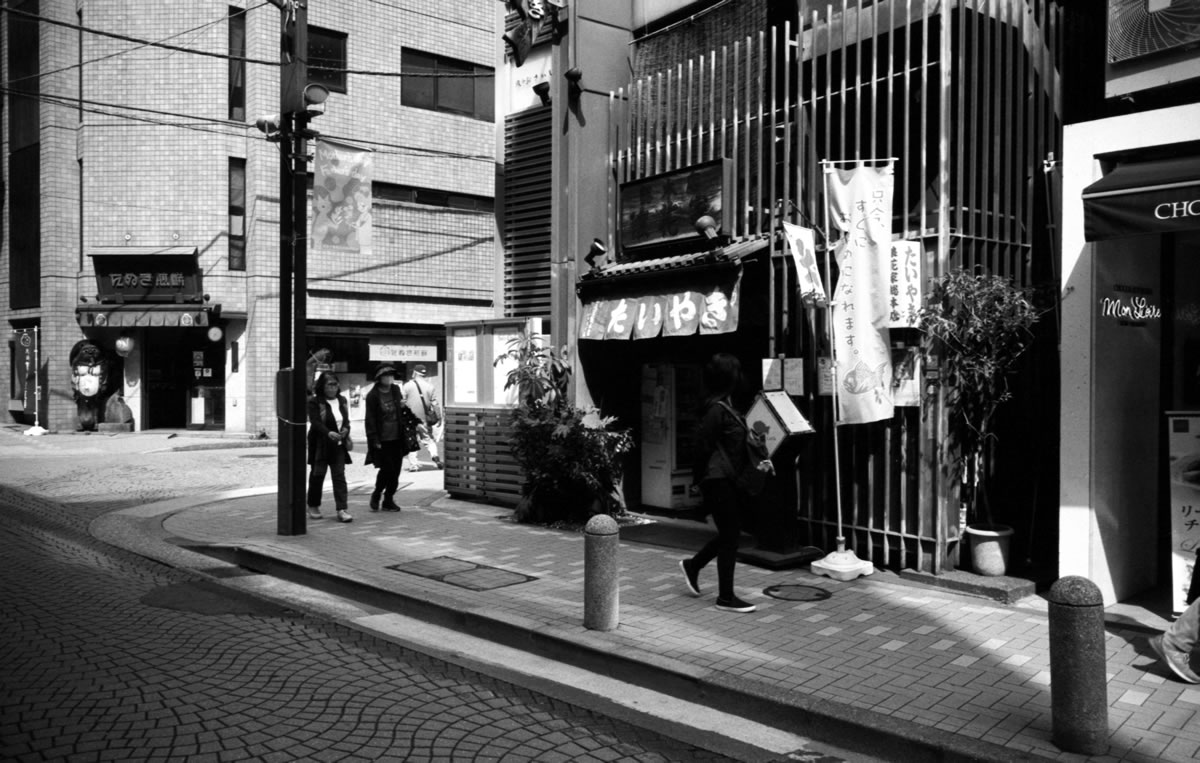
point(328, 445)
point(720, 456)
point(391, 435)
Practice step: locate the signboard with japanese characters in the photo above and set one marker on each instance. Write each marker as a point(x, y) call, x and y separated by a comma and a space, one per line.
point(682, 311)
point(167, 275)
point(1183, 475)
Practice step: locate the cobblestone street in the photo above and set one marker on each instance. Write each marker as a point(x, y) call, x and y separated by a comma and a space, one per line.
point(110, 657)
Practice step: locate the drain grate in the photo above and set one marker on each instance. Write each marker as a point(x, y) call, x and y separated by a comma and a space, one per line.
point(461, 573)
point(793, 592)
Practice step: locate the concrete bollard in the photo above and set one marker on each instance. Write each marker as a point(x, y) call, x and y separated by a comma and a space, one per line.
point(1078, 681)
point(600, 572)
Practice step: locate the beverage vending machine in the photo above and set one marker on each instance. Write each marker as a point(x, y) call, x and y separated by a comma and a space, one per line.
point(670, 397)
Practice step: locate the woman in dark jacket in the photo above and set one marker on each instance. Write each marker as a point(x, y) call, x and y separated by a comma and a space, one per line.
point(328, 438)
point(391, 435)
point(721, 455)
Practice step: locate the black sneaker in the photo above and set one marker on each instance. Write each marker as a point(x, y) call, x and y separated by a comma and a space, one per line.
point(689, 578)
point(734, 604)
point(390, 505)
point(374, 501)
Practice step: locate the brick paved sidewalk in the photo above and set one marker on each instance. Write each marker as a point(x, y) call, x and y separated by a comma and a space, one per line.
point(887, 651)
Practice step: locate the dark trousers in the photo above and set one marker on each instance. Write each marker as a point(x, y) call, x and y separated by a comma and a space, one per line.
point(721, 499)
point(333, 460)
point(389, 459)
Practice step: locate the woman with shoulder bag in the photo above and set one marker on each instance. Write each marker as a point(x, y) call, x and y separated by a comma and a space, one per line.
point(329, 445)
point(726, 475)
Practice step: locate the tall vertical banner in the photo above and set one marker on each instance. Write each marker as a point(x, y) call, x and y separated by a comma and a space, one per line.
point(860, 206)
point(25, 369)
point(341, 198)
point(804, 255)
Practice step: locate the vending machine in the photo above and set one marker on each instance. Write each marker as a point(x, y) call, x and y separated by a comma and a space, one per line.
point(670, 397)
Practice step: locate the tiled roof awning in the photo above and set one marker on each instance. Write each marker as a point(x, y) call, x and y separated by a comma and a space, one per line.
point(668, 296)
point(1144, 197)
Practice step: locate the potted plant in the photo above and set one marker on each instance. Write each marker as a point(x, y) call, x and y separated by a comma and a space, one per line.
point(975, 328)
point(571, 457)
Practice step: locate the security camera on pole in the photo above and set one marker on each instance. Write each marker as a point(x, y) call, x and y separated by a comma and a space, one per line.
point(298, 102)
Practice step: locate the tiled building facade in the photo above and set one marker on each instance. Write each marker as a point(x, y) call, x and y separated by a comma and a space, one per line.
point(128, 136)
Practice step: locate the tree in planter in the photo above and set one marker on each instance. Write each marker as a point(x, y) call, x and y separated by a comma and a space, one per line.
point(571, 457)
point(976, 326)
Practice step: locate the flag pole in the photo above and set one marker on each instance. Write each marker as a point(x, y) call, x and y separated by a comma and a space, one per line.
point(36, 430)
point(842, 564)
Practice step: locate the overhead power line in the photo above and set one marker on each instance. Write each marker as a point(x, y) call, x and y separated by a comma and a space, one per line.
point(227, 57)
point(220, 20)
point(227, 128)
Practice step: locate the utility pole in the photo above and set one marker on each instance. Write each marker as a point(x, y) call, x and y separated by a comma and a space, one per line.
point(292, 134)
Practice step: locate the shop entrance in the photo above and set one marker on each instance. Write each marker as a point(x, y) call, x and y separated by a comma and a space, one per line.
point(184, 380)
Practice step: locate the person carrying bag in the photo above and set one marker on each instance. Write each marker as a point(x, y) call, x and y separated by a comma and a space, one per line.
point(731, 468)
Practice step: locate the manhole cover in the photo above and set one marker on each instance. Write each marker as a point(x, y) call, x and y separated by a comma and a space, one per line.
point(797, 593)
point(461, 573)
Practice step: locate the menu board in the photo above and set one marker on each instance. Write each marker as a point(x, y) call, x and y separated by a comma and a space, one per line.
point(1183, 450)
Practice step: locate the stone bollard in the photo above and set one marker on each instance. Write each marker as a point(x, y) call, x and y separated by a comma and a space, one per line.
point(1078, 681)
point(600, 573)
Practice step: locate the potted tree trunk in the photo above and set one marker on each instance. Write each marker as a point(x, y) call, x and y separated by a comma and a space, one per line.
point(975, 328)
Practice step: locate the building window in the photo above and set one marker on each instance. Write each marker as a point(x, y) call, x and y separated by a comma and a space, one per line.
point(24, 159)
point(444, 84)
point(237, 214)
point(431, 198)
point(237, 64)
point(327, 58)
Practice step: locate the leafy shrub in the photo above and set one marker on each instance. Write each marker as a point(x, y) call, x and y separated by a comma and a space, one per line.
point(571, 458)
point(976, 326)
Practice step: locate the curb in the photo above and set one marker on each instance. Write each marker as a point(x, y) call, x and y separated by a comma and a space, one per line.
point(864, 731)
point(140, 531)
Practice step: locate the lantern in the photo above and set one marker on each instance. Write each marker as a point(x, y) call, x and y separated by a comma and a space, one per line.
point(124, 345)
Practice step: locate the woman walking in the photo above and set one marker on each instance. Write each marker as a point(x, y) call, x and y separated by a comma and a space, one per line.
point(391, 435)
point(328, 445)
point(720, 457)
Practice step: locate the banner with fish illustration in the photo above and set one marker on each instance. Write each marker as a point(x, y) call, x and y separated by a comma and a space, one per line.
point(341, 215)
point(860, 206)
point(804, 254)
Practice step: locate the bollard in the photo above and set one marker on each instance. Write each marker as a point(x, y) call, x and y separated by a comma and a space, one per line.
point(600, 573)
point(1078, 681)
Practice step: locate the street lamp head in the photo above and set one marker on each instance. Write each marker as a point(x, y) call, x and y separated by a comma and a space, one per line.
point(314, 99)
point(269, 125)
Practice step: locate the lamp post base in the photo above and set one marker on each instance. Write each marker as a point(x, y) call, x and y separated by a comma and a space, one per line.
point(842, 564)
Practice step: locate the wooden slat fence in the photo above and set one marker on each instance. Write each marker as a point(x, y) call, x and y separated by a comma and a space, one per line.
point(478, 463)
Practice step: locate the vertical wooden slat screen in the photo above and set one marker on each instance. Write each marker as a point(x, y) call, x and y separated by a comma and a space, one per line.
point(964, 94)
point(526, 209)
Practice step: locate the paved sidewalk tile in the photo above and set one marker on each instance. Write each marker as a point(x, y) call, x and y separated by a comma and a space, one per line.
point(931, 657)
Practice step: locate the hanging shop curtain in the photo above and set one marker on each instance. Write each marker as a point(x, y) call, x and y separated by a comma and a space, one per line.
point(1144, 197)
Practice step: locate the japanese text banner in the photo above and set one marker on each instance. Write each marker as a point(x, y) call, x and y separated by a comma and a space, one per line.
point(860, 204)
point(804, 255)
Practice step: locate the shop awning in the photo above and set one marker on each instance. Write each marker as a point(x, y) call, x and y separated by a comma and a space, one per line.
point(682, 295)
point(1144, 197)
point(184, 316)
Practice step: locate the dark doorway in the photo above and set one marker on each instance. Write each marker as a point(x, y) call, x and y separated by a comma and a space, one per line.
point(185, 380)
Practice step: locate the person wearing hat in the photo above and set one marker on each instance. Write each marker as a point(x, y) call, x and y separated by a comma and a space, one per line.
point(391, 435)
point(421, 398)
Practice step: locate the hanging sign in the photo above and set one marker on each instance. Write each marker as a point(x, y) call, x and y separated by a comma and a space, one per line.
point(341, 216)
point(904, 285)
point(804, 256)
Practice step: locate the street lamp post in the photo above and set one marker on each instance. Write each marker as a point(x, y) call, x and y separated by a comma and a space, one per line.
point(290, 128)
